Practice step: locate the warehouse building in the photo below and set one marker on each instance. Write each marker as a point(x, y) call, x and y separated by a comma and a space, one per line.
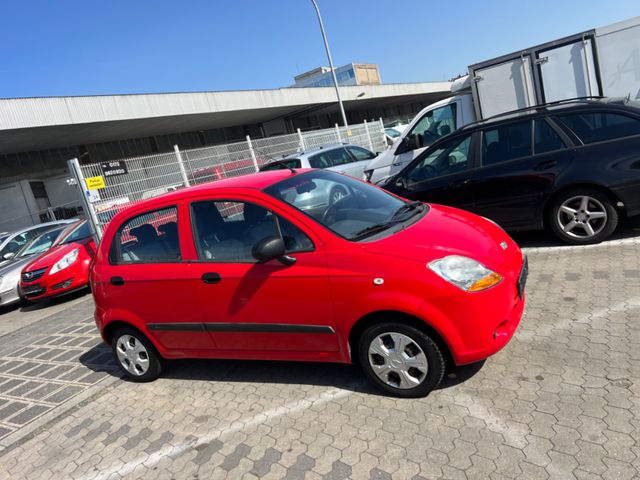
point(38, 135)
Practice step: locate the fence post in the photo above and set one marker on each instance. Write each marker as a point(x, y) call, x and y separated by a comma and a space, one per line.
point(253, 154)
point(185, 177)
point(301, 140)
point(338, 134)
point(366, 129)
point(76, 171)
point(384, 137)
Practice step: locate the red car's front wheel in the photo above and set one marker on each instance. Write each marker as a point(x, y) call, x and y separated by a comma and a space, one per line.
point(401, 360)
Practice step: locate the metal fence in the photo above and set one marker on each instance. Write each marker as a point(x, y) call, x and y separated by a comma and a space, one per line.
point(144, 177)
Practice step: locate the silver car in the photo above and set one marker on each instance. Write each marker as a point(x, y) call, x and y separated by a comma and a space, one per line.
point(14, 241)
point(341, 158)
point(10, 271)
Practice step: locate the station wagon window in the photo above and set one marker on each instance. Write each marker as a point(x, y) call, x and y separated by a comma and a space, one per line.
point(148, 238)
point(226, 231)
point(451, 157)
point(600, 126)
point(506, 142)
point(360, 153)
point(545, 138)
point(433, 125)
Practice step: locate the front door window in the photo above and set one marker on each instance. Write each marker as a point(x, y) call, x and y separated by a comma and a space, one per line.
point(451, 157)
point(433, 125)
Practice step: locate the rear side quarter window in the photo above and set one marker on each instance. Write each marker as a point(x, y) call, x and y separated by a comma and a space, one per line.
point(595, 127)
point(151, 237)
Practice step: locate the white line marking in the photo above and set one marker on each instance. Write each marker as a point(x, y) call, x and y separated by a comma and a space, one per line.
point(237, 426)
point(562, 248)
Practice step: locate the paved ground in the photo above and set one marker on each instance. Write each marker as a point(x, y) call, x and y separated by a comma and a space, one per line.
point(562, 400)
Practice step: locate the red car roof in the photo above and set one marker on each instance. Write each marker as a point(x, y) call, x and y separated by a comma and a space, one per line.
point(255, 181)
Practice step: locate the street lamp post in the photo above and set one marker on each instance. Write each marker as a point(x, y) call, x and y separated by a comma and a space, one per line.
point(333, 71)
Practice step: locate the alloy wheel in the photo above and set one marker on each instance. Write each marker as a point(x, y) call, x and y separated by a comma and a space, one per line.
point(132, 355)
point(582, 217)
point(398, 360)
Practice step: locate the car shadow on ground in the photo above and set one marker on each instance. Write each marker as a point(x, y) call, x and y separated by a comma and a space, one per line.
point(628, 228)
point(343, 376)
point(41, 305)
point(30, 307)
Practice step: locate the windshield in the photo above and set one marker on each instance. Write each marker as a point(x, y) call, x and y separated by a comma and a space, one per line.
point(392, 132)
point(40, 244)
point(350, 208)
point(80, 232)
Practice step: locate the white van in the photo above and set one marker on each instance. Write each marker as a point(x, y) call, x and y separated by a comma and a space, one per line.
point(435, 121)
point(594, 63)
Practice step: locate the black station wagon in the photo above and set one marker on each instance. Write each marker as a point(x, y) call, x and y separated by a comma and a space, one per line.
point(572, 167)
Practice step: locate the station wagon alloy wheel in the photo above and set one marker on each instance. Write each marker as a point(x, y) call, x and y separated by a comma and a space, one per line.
point(582, 217)
point(132, 355)
point(397, 360)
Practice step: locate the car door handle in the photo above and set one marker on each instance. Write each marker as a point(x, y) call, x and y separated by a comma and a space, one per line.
point(545, 165)
point(459, 183)
point(117, 281)
point(211, 277)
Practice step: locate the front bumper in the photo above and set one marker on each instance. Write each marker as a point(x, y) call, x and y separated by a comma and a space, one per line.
point(51, 286)
point(499, 331)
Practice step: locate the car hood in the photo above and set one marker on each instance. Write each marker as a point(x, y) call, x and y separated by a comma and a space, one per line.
point(53, 255)
point(449, 231)
point(13, 265)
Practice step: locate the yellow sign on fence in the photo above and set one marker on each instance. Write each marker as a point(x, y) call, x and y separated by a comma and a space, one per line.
point(95, 183)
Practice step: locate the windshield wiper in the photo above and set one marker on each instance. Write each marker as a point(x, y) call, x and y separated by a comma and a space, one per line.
point(379, 227)
point(407, 207)
point(372, 229)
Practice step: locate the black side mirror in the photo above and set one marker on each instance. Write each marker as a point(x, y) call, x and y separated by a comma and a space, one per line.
point(271, 248)
point(407, 144)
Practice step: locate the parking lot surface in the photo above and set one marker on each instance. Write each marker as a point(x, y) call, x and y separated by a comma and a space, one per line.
point(562, 400)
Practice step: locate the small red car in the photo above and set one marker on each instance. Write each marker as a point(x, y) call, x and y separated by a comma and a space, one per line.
point(63, 269)
point(272, 266)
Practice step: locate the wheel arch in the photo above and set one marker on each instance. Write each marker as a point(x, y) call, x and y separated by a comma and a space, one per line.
point(577, 186)
point(381, 316)
point(113, 326)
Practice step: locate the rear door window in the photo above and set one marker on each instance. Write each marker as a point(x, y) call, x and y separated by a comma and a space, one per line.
point(320, 160)
point(506, 142)
point(600, 126)
point(148, 238)
point(545, 138)
point(339, 156)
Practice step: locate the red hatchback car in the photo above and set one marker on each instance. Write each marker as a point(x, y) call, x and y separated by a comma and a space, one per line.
point(63, 269)
point(267, 266)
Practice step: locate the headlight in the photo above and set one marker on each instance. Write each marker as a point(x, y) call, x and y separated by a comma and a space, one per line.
point(465, 273)
point(65, 261)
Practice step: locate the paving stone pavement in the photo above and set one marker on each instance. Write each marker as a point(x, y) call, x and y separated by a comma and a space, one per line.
point(562, 400)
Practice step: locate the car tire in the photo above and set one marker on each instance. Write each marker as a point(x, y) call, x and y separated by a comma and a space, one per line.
point(337, 194)
point(572, 216)
point(136, 355)
point(391, 370)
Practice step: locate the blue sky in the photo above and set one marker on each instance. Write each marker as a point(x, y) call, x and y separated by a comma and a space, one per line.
point(86, 47)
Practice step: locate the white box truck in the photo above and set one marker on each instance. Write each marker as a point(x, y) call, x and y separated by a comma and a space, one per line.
point(602, 62)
